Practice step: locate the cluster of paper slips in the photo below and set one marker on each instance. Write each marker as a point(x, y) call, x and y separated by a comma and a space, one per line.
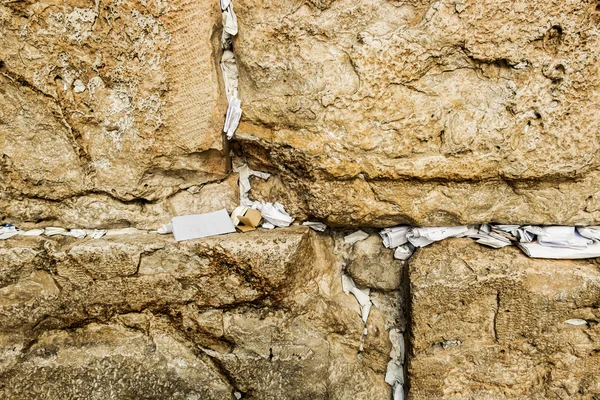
point(230, 69)
point(558, 242)
point(10, 230)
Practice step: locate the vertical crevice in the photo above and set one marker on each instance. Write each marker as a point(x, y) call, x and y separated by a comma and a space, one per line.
point(408, 352)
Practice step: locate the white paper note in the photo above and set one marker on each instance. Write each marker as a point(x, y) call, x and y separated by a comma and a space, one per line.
point(316, 226)
point(356, 237)
point(394, 237)
point(202, 225)
point(536, 250)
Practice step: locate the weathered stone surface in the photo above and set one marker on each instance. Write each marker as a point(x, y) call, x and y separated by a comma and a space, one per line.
point(445, 112)
point(118, 104)
point(373, 266)
point(138, 316)
point(490, 324)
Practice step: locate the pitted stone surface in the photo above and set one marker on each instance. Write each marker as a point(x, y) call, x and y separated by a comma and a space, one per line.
point(260, 313)
point(433, 113)
point(491, 324)
point(114, 105)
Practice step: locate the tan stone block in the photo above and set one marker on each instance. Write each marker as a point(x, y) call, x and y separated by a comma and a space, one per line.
point(491, 324)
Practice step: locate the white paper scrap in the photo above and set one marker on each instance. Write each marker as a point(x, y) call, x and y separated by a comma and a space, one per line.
point(316, 226)
point(273, 213)
point(76, 233)
point(399, 392)
point(590, 232)
point(232, 119)
point(398, 346)
point(365, 312)
point(230, 24)
point(167, 228)
point(95, 233)
point(576, 322)
point(493, 242)
point(563, 236)
point(394, 373)
point(404, 252)
point(202, 225)
point(536, 250)
point(8, 231)
point(32, 232)
point(472, 230)
point(347, 284)
point(394, 237)
point(239, 211)
point(225, 4)
point(356, 237)
point(230, 74)
point(7, 235)
point(362, 296)
point(421, 237)
point(124, 231)
point(245, 173)
point(51, 231)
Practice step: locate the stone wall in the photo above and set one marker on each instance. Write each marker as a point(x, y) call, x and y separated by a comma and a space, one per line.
point(493, 324)
point(447, 112)
point(369, 113)
point(111, 112)
point(259, 314)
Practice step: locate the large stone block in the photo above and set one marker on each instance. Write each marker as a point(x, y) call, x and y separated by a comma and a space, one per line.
point(141, 316)
point(491, 324)
point(455, 111)
point(118, 103)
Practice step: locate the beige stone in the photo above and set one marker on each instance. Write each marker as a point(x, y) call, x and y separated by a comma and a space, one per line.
point(491, 324)
point(372, 265)
point(260, 313)
point(379, 112)
point(117, 104)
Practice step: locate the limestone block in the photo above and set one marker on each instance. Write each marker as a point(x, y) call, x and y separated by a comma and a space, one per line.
point(372, 265)
point(380, 112)
point(118, 101)
point(141, 316)
point(492, 324)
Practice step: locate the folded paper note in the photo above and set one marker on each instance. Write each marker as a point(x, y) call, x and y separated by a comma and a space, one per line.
point(8, 231)
point(394, 237)
point(356, 237)
point(421, 237)
point(273, 214)
point(249, 221)
point(232, 119)
point(316, 226)
point(536, 250)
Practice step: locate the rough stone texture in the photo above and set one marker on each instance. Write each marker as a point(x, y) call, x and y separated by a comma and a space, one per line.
point(446, 112)
point(490, 324)
point(108, 110)
point(141, 316)
point(373, 266)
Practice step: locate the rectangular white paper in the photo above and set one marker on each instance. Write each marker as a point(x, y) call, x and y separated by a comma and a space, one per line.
point(32, 232)
point(536, 250)
point(202, 225)
point(316, 226)
point(421, 237)
point(356, 237)
point(394, 237)
point(562, 236)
